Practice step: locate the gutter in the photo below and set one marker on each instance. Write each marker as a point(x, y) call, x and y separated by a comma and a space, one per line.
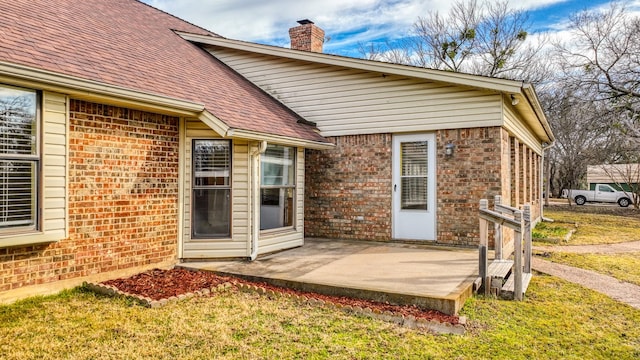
point(255, 192)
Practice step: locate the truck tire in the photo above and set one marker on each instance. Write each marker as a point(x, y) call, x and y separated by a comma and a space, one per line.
point(624, 202)
point(580, 200)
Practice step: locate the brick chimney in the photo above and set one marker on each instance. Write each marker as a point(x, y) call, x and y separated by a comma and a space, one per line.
point(306, 36)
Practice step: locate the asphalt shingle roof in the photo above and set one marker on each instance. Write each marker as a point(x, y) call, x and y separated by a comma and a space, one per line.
point(132, 45)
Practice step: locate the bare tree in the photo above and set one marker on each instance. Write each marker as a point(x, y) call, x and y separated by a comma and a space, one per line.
point(448, 42)
point(583, 137)
point(486, 38)
point(602, 59)
point(502, 48)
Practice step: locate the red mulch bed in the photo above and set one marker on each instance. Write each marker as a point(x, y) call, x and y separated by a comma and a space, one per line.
point(161, 284)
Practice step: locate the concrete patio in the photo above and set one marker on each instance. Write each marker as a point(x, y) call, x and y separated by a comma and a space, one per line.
point(427, 276)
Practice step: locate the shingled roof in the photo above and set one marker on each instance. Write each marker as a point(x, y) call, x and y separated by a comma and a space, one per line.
point(129, 44)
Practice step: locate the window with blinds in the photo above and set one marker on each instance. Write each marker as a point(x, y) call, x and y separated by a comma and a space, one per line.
point(277, 187)
point(414, 176)
point(19, 159)
point(211, 189)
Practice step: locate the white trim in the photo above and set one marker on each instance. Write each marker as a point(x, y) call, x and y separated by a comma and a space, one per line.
point(214, 123)
point(31, 238)
point(66, 156)
point(277, 139)
point(182, 130)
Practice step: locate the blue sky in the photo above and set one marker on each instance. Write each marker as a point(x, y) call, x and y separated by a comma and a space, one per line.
point(346, 23)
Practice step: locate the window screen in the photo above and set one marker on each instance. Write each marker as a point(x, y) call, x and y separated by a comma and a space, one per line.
point(277, 203)
point(19, 158)
point(211, 189)
point(414, 176)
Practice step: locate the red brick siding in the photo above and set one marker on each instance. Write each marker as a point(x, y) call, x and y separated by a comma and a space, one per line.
point(123, 197)
point(351, 180)
point(474, 172)
point(355, 179)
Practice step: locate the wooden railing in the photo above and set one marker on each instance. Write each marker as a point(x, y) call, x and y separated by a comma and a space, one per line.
point(519, 221)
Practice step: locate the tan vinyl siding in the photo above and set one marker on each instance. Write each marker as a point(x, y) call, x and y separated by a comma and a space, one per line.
point(614, 173)
point(54, 163)
point(278, 240)
point(344, 101)
point(520, 130)
point(237, 245)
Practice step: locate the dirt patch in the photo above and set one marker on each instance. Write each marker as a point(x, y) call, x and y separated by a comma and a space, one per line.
point(161, 284)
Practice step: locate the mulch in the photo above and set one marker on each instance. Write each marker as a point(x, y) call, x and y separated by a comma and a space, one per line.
point(160, 284)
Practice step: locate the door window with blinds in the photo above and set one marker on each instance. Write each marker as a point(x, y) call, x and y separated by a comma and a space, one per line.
point(19, 159)
point(414, 176)
point(211, 189)
point(277, 203)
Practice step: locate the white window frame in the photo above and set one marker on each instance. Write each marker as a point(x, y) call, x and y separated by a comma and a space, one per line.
point(35, 159)
point(225, 187)
point(282, 187)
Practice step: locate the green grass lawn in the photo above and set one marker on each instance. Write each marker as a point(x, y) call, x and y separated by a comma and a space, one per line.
point(624, 267)
point(592, 228)
point(556, 320)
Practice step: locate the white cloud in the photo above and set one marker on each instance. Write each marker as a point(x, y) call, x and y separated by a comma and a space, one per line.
point(345, 22)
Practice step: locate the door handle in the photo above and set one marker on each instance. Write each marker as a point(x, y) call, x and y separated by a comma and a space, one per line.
point(394, 187)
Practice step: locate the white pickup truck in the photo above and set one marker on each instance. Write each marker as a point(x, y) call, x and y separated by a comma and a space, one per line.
point(603, 193)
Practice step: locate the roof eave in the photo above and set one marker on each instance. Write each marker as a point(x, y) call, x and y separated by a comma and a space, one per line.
point(532, 98)
point(95, 91)
point(278, 139)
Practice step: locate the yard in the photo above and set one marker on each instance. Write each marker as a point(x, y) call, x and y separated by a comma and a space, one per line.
point(592, 225)
point(557, 319)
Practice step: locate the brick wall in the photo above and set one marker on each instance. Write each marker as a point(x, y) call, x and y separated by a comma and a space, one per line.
point(355, 179)
point(473, 172)
point(348, 189)
point(123, 197)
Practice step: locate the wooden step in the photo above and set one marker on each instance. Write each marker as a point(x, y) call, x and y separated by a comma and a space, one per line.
point(500, 268)
point(508, 288)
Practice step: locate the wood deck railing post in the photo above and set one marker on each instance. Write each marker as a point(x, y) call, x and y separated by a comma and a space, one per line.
point(527, 238)
point(483, 260)
point(498, 231)
point(517, 257)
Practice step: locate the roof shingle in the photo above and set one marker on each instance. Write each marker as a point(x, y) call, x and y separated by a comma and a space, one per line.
point(129, 44)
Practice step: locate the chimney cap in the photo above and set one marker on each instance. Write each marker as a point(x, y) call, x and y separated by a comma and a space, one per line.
point(305, 22)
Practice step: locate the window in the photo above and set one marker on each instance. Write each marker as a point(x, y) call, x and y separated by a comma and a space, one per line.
point(19, 159)
point(605, 188)
point(277, 187)
point(211, 189)
point(415, 175)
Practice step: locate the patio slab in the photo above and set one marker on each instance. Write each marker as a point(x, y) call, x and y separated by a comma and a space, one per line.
point(431, 277)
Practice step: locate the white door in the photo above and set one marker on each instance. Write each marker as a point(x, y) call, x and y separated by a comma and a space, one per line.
point(414, 187)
